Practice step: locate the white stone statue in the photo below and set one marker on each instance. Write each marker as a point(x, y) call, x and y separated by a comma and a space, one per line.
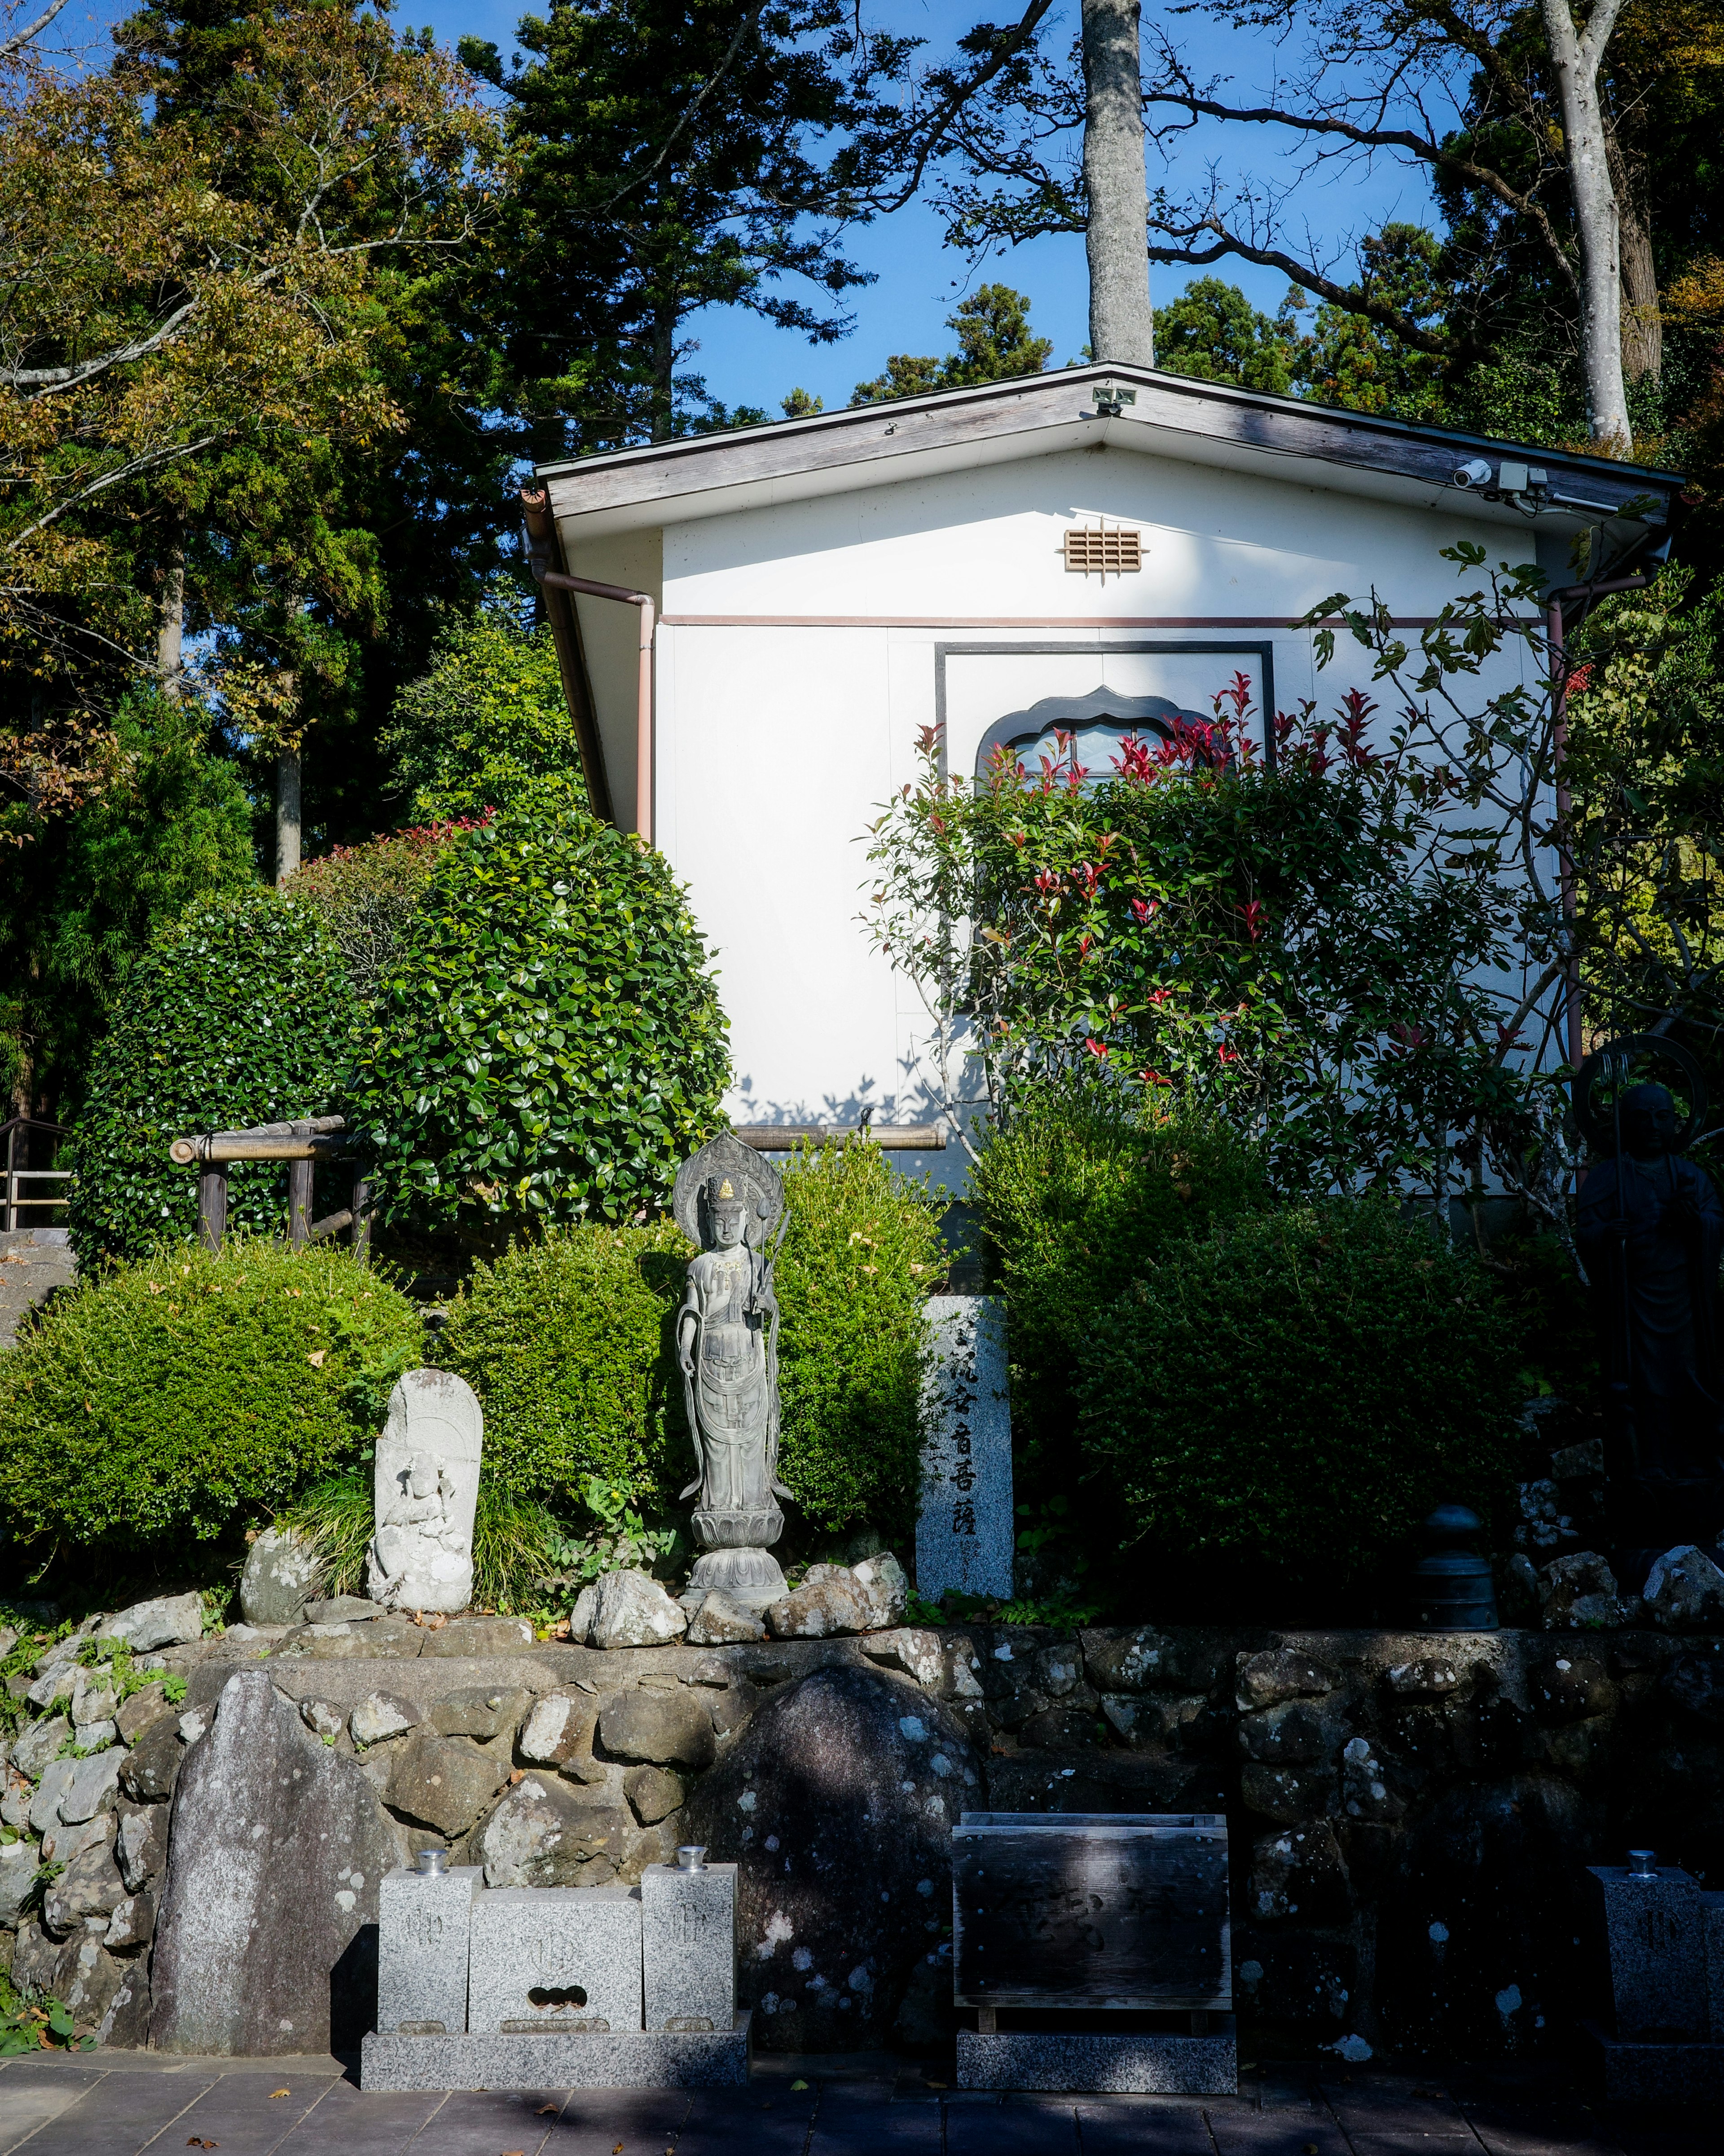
point(425, 1491)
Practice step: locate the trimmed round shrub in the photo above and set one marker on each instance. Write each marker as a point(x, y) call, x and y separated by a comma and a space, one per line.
point(550, 1046)
point(860, 1254)
point(565, 1341)
point(1298, 1391)
point(1079, 1193)
point(164, 1400)
point(240, 1013)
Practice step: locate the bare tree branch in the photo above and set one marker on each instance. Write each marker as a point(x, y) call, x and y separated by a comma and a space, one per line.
point(19, 38)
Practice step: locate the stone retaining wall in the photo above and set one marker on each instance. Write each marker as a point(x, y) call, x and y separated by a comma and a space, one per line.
point(1410, 1813)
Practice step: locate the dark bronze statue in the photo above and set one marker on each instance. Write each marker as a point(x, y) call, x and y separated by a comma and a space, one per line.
point(1650, 1230)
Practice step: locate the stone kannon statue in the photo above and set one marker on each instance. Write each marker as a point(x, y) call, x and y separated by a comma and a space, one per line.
point(1650, 1230)
point(730, 1201)
point(425, 1490)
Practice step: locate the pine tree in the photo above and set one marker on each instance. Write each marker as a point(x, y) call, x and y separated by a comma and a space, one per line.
point(995, 343)
point(667, 161)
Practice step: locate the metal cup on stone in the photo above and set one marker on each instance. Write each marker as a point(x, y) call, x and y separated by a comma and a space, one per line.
point(691, 1856)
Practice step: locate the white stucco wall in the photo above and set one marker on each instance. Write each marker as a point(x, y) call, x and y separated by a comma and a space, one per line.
point(779, 738)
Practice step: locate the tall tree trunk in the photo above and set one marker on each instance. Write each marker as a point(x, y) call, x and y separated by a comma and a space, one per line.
point(664, 370)
point(1116, 237)
point(171, 625)
point(287, 813)
point(1642, 325)
point(1575, 56)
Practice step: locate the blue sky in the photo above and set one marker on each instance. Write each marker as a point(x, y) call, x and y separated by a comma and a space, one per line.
point(919, 280)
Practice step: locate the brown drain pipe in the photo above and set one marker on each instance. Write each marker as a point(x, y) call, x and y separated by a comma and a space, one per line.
point(643, 690)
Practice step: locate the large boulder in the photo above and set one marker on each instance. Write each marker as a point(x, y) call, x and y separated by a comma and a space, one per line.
point(837, 1800)
point(1684, 1591)
point(444, 1781)
point(661, 1729)
point(166, 1620)
point(544, 1835)
point(281, 1570)
point(626, 1610)
point(278, 1846)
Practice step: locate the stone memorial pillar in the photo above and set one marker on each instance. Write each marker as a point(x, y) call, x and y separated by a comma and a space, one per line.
point(424, 1921)
point(965, 1532)
point(1665, 1939)
point(1655, 1924)
point(425, 1491)
point(689, 1945)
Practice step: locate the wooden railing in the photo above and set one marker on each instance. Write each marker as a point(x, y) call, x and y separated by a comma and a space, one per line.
point(301, 1145)
point(892, 1137)
point(16, 1127)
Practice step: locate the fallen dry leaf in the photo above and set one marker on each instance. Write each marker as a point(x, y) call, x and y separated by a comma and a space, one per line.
point(274, 2093)
point(547, 2111)
point(316, 1359)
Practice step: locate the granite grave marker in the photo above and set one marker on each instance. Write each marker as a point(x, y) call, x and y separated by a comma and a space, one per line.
point(424, 1921)
point(966, 1532)
point(689, 1945)
point(554, 1959)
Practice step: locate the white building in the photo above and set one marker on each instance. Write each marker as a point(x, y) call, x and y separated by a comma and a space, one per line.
point(825, 587)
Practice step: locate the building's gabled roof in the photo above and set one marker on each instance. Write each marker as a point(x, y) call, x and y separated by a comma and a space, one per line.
point(1129, 407)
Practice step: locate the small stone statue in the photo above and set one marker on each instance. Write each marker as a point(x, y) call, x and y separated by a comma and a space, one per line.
point(1650, 1229)
point(425, 1493)
point(729, 1201)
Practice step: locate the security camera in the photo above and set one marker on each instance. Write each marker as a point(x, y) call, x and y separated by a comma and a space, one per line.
point(1475, 472)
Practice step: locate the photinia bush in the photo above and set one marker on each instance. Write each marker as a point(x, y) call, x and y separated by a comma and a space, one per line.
point(1276, 946)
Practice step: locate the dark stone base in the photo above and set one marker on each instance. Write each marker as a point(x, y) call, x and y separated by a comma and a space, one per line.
point(623, 2058)
point(1627, 2072)
point(1095, 2061)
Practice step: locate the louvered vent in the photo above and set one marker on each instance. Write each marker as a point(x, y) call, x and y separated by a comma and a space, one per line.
point(1116, 553)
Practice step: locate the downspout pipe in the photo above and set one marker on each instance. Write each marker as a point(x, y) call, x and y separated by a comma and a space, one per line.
point(644, 685)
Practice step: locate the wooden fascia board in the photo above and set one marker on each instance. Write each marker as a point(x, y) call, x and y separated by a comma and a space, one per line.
point(867, 441)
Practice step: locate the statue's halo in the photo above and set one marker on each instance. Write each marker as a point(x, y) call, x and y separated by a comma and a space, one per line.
point(757, 1183)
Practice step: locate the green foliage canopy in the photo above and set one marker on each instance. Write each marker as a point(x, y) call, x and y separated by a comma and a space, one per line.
point(995, 342)
point(859, 1254)
point(564, 1339)
point(1297, 949)
point(1083, 1190)
point(1298, 1390)
point(487, 727)
point(167, 1398)
point(83, 895)
point(550, 1046)
point(241, 1013)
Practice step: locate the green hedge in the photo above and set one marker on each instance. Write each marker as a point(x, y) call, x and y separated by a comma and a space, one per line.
point(166, 1400)
point(564, 1341)
point(860, 1254)
point(1298, 1391)
point(549, 1046)
point(1080, 1194)
point(240, 1014)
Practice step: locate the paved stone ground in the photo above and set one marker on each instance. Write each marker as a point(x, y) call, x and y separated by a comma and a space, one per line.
point(118, 2104)
point(30, 1272)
